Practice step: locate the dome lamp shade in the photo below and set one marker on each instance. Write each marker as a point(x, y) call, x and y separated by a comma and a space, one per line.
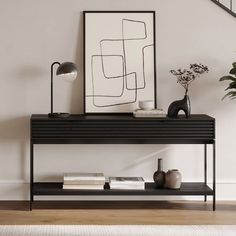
point(67, 70)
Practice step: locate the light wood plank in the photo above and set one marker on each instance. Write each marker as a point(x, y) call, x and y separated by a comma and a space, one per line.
point(174, 213)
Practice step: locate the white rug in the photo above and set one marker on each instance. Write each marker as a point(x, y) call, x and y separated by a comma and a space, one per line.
point(117, 230)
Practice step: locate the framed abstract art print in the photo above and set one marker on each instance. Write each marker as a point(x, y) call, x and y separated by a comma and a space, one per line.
point(119, 60)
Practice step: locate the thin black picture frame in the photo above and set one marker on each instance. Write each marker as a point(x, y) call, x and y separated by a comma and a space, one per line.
point(84, 57)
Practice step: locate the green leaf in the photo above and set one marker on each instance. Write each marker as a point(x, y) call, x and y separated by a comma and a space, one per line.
point(228, 77)
point(234, 64)
point(232, 85)
point(230, 94)
point(233, 71)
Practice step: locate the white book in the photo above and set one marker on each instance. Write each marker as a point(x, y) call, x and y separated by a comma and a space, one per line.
point(127, 183)
point(149, 113)
point(128, 187)
point(84, 177)
point(154, 111)
point(87, 182)
point(126, 180)
point(137, 115)
point(83, 186)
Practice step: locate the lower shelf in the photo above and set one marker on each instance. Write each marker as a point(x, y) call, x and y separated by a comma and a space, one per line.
point(55, 188)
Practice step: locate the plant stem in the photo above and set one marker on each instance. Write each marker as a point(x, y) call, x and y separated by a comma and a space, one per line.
point(186, 90)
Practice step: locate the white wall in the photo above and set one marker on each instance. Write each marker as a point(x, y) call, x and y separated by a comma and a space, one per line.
point(34, 33)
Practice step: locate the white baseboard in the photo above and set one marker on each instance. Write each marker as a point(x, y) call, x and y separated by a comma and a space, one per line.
point(19, 190)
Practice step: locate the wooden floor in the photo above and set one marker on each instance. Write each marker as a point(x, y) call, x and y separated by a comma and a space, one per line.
point(184, 212)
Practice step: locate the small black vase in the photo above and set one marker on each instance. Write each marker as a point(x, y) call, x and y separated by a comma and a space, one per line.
point(178, 105)
point(159, 175)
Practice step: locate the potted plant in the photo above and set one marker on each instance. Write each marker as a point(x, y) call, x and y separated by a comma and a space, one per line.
point(185, 78)
point(232, 82)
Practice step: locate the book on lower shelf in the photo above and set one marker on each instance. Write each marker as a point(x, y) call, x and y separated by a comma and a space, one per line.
point(83, 186)
point(84, 177)
point(129, 183)
point(83, 181)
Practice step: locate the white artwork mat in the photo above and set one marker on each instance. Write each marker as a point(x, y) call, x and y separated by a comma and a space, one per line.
point(119, 60)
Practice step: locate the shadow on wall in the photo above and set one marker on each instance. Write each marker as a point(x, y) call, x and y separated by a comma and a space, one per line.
point(203, 95)
point(127, 160)
point(30, 71)
point(16, 132)
point(77, 93)
point(160, 152)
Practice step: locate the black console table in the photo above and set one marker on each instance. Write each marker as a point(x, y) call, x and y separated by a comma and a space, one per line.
point(123, 129)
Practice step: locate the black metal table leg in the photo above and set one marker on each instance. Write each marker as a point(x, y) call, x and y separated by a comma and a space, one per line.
point(205, 168)
point(31, 174)
point(214, 176)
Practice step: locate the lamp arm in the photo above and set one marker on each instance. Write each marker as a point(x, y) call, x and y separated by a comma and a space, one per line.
point(54, 63)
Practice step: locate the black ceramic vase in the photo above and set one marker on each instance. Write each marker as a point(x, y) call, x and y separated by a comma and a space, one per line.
point(179, 105)
point(159, 175)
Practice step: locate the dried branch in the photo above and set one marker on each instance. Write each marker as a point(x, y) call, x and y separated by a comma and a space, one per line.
point(186, 77)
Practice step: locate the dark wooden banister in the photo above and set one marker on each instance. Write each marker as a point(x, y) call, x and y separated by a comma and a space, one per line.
point(229, 10)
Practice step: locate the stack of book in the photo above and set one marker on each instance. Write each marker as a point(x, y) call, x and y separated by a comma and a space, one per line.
point(149, 113)
point(83, 181)
point(130, 183)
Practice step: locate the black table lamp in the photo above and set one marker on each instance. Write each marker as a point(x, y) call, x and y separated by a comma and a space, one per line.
point(65, 69)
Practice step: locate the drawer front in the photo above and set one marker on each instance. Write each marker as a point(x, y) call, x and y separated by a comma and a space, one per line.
point(124, 131)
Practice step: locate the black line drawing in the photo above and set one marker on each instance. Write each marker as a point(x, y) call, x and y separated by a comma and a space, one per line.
point(96, 95)
point(123, 40)
point(125, 72)
point(143, 53)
